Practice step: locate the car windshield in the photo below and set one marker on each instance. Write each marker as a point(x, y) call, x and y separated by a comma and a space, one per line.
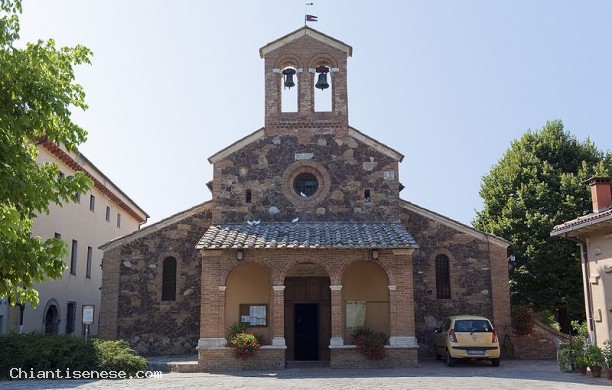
point(473, 326)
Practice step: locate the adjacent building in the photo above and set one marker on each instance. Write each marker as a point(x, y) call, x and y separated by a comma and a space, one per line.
point(305, 240)
point(101, 214)
point(593, 232)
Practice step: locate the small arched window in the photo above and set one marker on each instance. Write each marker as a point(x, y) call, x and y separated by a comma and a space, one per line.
point(169, 279)
point(442, 277)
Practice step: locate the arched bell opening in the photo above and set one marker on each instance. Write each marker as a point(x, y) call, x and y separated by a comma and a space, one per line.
point(323, 89)
point(289, 89)
point(307, 313)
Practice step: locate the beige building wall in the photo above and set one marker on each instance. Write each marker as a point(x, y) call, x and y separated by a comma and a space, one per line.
point(89, 227)
point(599, 251)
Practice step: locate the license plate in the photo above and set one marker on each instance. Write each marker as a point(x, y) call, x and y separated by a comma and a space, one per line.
point(471, 352)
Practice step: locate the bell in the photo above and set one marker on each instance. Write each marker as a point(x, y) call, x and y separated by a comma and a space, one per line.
point(322, 81)
point(289, 72)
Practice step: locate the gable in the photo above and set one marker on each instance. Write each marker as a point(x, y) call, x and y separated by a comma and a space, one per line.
point(306, 31)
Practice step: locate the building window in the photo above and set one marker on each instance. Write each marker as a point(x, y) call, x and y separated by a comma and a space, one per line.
point(70, 317)
point(169, 279)
point(73, 257)
point(442, 277)
point(289, 93)
point(248, 196)
point(92, 203)
point(89, 256)
point(305, 184)
point(107, 213)
point(118, 220)
point(58, 236)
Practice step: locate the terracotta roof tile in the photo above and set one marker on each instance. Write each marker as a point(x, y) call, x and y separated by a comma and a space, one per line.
point(341, 235)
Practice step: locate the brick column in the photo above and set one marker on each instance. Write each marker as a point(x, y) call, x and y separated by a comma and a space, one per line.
point(401, 300)
point(336, 316)
point(212, 302)
point(279, 316)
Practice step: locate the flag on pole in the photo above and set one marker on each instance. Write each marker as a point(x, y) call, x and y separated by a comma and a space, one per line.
point(311, 18)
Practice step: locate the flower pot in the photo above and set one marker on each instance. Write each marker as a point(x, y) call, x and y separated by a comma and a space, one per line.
point(581, 369)
point(596, 371)
point(608, 372)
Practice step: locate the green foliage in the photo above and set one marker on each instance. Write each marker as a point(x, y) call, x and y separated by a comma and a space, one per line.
point(37, 92)
point(594, 356)
point(370, 343)
point(523, 319)
point(116, 355)
point(235, 328)
point(607, 351)
point(548, 318)
point(538, 183)
point(41, 353)
point(245, 345)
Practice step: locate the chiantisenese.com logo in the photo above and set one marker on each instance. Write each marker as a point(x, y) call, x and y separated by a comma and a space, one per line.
point(19, 373)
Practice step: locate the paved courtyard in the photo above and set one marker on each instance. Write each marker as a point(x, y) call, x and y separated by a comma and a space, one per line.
point(515, 375)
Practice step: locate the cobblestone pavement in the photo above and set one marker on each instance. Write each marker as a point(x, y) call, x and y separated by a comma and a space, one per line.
point(523, 374)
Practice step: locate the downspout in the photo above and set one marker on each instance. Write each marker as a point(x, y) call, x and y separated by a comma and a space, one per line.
point(587, 275)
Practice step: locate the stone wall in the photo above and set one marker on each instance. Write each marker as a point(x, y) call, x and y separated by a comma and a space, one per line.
point(134, 271)
point(470, 273)
point(538, 344)
point(345, 168)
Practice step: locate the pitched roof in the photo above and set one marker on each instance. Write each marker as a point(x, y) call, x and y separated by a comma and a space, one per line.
point(452, 223)
point(589, 222)
point(302, 31)
point(311, 235)
point(156, 226)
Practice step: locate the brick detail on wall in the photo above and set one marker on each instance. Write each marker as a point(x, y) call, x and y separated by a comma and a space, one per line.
point(342, 358)
point(223, 359)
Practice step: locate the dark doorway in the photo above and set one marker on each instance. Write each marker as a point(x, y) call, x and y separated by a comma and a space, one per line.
point(306, 331)
point(51, 321)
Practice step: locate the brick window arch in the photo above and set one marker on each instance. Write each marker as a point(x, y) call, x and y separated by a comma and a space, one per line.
point(443, 290)
point(169, 280)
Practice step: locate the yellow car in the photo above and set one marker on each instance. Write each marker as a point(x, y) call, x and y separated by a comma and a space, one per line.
point(466, 337)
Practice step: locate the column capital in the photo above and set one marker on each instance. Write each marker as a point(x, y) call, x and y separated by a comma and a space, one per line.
point(278, 288)
point(222, 288)
point(392, 288)
point(335, 288)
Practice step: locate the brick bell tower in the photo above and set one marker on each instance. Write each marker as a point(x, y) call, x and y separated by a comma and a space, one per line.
point(314, 64)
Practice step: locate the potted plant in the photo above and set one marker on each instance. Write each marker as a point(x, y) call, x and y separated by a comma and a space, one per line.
point(607, 351)
point(595, 359)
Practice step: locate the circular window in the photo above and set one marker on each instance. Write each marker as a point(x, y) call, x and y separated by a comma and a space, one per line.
point(305, 184)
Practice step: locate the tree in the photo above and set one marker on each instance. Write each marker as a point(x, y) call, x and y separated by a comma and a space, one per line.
point(37, 92)
point(540, 182)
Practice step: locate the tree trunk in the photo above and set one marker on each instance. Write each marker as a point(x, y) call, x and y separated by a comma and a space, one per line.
point(564, 321)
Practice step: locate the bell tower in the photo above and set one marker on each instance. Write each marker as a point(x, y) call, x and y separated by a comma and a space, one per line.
point(311, 68)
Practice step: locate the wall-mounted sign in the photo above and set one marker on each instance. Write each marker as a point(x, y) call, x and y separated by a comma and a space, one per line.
point(88, 314)
point(254, 314)
point(355, 314)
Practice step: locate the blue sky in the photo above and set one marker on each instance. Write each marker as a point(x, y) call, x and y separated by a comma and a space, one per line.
point(448, 83)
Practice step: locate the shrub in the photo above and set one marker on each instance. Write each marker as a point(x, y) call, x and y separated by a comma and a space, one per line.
point(116, 355)
point(523, 319)
point(370, 343)
point(245, 345)
point(37, 352)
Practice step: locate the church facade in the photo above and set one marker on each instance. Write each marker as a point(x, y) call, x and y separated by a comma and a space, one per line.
point(305, 240)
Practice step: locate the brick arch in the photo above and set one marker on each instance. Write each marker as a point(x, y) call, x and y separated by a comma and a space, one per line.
point(323, 59)
point(381, 263)
point(235, 263)
point(288, 59)
point(279, 278)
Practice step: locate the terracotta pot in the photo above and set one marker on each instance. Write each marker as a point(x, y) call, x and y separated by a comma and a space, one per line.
point(581, 369)
point(596, 371)
point(608, 372)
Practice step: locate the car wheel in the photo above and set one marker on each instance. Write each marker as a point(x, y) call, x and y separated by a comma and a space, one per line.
point(495, 362)
point(449, 359)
